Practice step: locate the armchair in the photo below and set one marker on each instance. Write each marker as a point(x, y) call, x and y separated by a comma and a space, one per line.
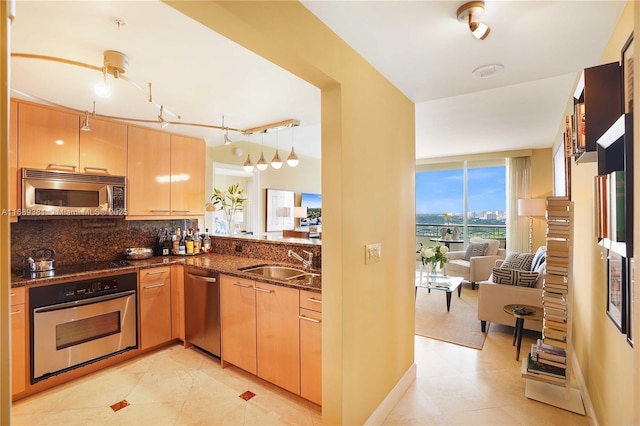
point(472, 267)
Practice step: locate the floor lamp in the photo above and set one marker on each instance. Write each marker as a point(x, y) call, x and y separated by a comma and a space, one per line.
point(531, 207)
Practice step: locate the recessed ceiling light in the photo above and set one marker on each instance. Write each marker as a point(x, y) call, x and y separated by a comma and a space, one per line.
point(490, 70)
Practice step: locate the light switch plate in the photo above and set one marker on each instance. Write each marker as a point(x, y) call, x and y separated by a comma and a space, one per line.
point(372, 253)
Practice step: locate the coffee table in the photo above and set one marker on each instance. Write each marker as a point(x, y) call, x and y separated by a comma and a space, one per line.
point(534, 313)
point(440, 282)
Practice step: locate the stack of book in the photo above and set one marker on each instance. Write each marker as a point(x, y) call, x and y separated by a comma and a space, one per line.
point(547, 363)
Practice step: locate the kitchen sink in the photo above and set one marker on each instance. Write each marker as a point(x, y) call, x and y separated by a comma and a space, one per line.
point(279, 272)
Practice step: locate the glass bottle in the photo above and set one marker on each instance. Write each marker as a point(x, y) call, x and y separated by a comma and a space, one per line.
point(206, 241)
point(197, 242)
point(182, 248)
point(176, 241)
point(188, 241)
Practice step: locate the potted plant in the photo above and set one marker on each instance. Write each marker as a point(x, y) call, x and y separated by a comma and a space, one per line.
point(448, 232)
point(230, 202)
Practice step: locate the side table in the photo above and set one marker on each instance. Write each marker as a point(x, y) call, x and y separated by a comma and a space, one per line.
point(533, 313)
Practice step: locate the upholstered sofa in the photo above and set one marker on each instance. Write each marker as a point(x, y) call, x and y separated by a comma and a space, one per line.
point(475, 268)
point(492, 297)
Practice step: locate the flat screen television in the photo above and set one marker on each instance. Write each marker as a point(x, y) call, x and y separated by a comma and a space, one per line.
point(313, 203)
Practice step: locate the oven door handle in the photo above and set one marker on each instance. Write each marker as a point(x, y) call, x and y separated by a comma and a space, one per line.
point(84, 302)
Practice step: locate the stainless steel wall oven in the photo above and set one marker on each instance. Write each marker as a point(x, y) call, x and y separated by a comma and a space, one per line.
point(78, 322)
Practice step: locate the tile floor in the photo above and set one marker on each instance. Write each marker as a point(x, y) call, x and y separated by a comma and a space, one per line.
point(454, 386)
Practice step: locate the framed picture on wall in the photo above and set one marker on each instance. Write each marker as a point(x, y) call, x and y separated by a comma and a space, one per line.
point(616, 290)
point(279, 210)
point(627, 74)
point(631, 301)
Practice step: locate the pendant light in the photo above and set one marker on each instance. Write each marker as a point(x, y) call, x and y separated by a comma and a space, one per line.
point(85, 125)
point(248, 165)
point(262, 163)
point(276, 162)
point(292, 159)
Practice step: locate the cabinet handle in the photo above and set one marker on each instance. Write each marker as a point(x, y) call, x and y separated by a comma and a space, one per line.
point(13, 294)
point(264, 290)
point(64, 166)
point(160, 211)
point(16, 312)
point(181, 211)
point(100, 169)
point(153, 286)
point(157, 272)
point(311, 299)
point(199, 278)
point(302, 317)
point(239, 284)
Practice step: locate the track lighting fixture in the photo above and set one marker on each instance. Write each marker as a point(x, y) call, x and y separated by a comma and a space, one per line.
point(470, 11)
point(292, 159)
point(227, 141)
point(163, 123)
point(85, 125)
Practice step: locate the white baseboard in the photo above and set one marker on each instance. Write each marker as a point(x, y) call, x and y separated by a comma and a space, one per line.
point(582, 386)
point(387, 405)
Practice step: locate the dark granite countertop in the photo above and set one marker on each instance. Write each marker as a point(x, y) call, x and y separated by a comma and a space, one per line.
point(222, 263)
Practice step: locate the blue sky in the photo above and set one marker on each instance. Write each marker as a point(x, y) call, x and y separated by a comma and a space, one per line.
point(441, 191)
point(311, 201)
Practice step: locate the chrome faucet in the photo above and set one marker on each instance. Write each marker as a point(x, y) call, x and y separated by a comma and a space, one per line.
point(306, 263)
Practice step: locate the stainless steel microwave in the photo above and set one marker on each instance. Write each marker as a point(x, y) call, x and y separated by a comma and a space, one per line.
point(59, 193)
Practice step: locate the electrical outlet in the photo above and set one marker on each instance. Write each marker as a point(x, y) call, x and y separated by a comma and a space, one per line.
point(238, 248)
point(372, 253)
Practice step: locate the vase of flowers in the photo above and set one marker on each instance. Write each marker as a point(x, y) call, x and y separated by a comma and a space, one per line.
point(435, 256)
point(230, 202)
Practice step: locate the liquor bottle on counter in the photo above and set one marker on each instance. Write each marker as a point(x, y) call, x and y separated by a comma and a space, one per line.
point(188, 241)
point(206, 241)
point(197, 242)
point(167, 244)
point(182, 248)
point(176, 241)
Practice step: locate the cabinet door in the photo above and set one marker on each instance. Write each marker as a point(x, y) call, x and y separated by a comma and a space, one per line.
point(103, 149)
point(14, 181)
point(238, 321)
point(177, 302)
point(277, 309)
point(311, 355)
point(148, 172)
point(187, 176)
point(18, 341)
point(155, 306)
point(47, 138)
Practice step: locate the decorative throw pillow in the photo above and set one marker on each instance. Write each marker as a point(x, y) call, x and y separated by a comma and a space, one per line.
point(475, 249)
point(539, 258)
point(514, 277)
point(521, 261)
point(492, 245)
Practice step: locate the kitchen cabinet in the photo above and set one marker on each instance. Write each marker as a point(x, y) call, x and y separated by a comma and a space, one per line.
point(18, 341)
point(14, 181)
point(47, 138)
point(177, 302)
point(103, 149)
point(260, 331)
point(187, 176)
point(154, 295)
point(238, 322)
point(166, 174)
point(311, 346)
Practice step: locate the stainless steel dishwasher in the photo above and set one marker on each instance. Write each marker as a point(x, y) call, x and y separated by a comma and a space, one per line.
point(202, 309)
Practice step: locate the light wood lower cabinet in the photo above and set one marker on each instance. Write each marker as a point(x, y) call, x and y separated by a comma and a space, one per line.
point(154, 294)
point(177, 302)
point(18, 341)
point(238, 322)
point(311, 346)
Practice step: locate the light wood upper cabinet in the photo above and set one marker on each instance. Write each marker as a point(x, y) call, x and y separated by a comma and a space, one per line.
point(18, 341)
point(187, 175)
point(154, 293)
point(47, 138)
point(238, 321)
point(103, 149)
point(148, 172)
point(14, 180)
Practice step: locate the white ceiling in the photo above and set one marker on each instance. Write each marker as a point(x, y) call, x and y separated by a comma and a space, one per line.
point(418, 45)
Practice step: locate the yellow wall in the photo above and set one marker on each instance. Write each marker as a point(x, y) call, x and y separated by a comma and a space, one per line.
point(609, 365)
point(541, 187)
point(368, 195)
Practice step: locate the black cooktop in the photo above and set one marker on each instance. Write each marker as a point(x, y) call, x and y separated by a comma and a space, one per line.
point(75, 269)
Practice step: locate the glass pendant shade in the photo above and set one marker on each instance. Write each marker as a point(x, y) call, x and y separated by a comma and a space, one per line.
point(262, 164)
point(276, 162)
point(292, 159)
point(248, 165)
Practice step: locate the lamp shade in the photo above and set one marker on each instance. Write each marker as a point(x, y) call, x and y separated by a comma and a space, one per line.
point(531, 207)
point(299, 212)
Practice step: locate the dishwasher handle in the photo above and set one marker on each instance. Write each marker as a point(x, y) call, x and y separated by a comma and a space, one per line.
point(205, 279)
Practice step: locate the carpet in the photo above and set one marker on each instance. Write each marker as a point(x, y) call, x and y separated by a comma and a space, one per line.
point(459, 326)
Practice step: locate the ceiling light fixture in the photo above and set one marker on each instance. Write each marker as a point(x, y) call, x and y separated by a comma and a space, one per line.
point(292, 159)
point(226, 139)
point(248, 165)
point(85, 125)
point(162, 121)
point(276, 162)
point(466, 14)
point(262, 163)
point(489, 70)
